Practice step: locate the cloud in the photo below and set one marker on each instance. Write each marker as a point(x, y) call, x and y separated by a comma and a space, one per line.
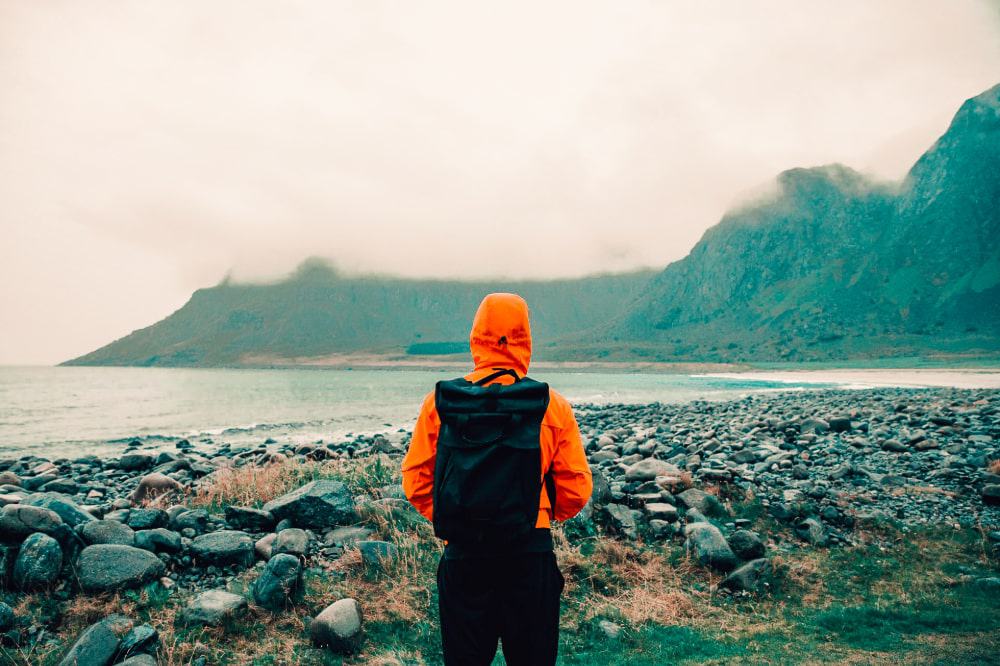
point(148, 148)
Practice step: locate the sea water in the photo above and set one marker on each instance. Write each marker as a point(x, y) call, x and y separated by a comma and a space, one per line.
point(75, 411)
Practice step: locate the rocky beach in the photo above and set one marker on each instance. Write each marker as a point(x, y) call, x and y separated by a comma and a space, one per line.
point(716, 531)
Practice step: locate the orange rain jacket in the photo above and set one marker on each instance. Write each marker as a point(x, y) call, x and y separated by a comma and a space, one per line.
point(501, 338)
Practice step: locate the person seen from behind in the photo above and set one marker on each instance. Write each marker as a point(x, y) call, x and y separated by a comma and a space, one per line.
point(495, 458)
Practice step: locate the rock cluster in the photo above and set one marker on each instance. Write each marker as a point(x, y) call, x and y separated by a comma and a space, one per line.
point(818, 461)
point(97, 526)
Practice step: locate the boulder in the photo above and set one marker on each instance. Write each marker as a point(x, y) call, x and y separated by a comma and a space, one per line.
point(991, 494)
point(147, 518)
point(19, 520)
point(706, 543)
point(99, 643)
point(107, 531)
point(649, 469)
point(134, 462)
point(661, 511)
point(814, 426)
point(140, 638)
point(263, 546)
point(214, 607)
point(280, 583)
point(378, 555)
point(754, 576)
point(839, 423)
point(154, 485)
point(706, 503)
point(109, 567)
point(38, 562)
point(247, 518)
point(621, 520)
point(812, 531)
point(224, 547)
point(346, 536)
point(601, 493)
point(338, 627)
point(63, 506)
point(158, 540)
point(746, 544)
point(292, 541)
point(318, 504)
point(9, 479)
point(190, 519)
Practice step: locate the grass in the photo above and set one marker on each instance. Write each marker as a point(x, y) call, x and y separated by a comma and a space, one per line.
point(896, 597)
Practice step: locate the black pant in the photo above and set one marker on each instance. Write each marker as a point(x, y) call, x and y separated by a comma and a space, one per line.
point(514, 599)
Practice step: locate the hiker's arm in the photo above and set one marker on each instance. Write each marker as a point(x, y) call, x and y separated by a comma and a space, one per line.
point(569, 469)
point(418, 465)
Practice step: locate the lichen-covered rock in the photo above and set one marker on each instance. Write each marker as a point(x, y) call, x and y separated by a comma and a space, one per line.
point(99, 643)
point(66, 508)
point(746, 544)
point(107, 531)
point(706, 503)
point(754, 576)
point(158, 540)
point(38, 562)
point(378, 555)
point(706, 543)
point(109, 567)
point(292, 541)
point(318, 504)
point(224, 547)
point(214, 607)
point(280, 583)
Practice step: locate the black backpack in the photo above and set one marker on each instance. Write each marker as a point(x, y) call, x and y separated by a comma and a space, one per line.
point(487, 478)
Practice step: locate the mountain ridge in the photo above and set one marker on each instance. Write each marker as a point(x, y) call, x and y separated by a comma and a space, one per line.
point(831, 265)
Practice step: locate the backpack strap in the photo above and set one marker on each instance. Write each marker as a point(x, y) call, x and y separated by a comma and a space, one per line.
point(550, 489)
point(500, 372)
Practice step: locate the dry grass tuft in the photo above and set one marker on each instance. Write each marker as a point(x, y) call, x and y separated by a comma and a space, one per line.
point(252, 485)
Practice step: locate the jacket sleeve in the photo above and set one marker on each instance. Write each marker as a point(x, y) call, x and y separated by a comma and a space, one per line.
point(418, 465)
point(569, 469)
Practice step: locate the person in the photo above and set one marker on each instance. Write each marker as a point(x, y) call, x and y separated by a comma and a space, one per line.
point(495, 458)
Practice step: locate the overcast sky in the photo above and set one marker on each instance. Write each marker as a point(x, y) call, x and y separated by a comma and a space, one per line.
point(148, 148)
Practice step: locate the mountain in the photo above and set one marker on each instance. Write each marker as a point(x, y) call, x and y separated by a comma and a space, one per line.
point(834, 265)
point(831, 265)
point(319, 312)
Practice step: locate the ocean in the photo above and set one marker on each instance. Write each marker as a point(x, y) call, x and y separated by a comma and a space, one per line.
point(75, 411)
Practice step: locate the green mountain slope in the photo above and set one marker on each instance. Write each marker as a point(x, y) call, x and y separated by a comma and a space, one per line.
point(319, 312)
point(835, 266)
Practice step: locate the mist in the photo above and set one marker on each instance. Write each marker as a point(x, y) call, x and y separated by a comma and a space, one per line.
point(151, 148)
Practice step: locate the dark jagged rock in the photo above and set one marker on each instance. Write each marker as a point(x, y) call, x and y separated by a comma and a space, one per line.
point(708, 545)
point(280, 583)
point(318, 504)
point(98, 644)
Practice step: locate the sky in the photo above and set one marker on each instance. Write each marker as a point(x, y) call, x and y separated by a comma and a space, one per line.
point(148, 149)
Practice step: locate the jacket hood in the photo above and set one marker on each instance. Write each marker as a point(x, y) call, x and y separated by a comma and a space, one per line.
point(501, 334)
